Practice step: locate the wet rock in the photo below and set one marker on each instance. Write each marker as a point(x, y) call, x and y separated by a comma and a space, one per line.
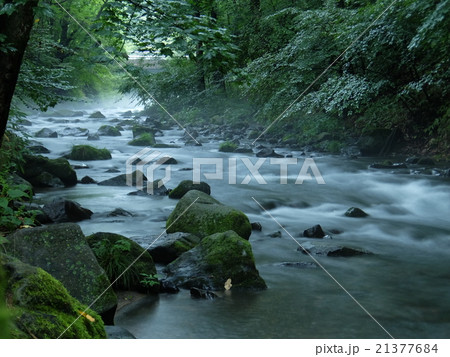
point(93, 137)
point(351, 151)
point(427, 161)
point(276, 234)
point(80, 166)
point(267, 152)
point(62, 210)
point(118, 333)
point(97, 115)
point(171, 246)
point(168, 287)
point(88, 153)
point(216, 259)
point(156, 189)
point(188, 185)
point(138, 130)
point(112, 170)
point(108, 130)
point(78, 132)
point(244, 150)
point(39, 306)
point(299, 265)
point(256, 226)
point(38, 149)
point(120, 212)
point(166, 160)
point(355, 212)
point(60, 168)
point(388, 165)
point(45, 179)
point(121, 180)
point(63, 252)
point(128, 254)
point(202, 294)
point(87, 180)
point(206, 216)
point(46, 133)
point(332, 251)
point(314, 232)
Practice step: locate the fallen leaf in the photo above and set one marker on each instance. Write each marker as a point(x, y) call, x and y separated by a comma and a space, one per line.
point(88, 317)
point(228, 284)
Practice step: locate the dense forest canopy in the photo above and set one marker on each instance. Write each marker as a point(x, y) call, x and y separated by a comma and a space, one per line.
point(248, 60)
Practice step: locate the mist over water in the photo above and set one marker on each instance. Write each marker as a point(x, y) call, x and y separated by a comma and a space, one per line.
point(404, 284)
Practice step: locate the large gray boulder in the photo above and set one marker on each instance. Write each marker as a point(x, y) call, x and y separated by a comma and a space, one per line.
point(170, 246)
point(62, 251)
point(202, 215)
point(216, 259)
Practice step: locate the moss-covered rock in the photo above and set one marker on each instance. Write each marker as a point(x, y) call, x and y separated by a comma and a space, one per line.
point(46, 133)
point(169, 247)
point(108, 130)
point(62, 250)
point(60, 168)
point(138, 130)
point(41, 307)
point(115, 253)
point(146, 139)
point(216, 259)
point(88, 153)
point(97, 115)
point(206, 216)
point(228, 146)
point(188, 185)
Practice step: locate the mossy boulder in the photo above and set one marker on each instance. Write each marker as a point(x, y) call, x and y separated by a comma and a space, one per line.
point(63, 252)
point(35, 166)
point(46, 133)
point(202, 215)
point(108, 130)
point(115, 253)
point(97, 115)
point(228, 146)
point(138, 130)
point(146, 139)
point(188, 185)
point(216, 259)
point(41, 307)
point(170, 246)
point(88, 153)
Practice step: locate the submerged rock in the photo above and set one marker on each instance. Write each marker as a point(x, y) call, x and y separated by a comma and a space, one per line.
point(331, 251)
point(355, 212)
point(87, 180)
point(41, 307)
point(216, 259)
point(267, 152)
point(75, 132)
point(116, 253)
point(202, 215)
point(314, 232)
point(171, 246)
point(62, 250)
point(118, 333)
point(61, 210)
point(188, 185)
point(120, 212)
point(202, 294)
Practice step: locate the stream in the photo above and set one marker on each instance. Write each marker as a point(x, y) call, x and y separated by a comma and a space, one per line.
point(404, 285)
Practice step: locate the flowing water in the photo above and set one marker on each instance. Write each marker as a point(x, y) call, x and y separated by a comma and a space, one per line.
point(404, 285)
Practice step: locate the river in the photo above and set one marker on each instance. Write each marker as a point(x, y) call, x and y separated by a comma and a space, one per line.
point(401, 290)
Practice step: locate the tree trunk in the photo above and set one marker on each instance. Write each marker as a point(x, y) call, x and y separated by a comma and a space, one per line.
point(16, 29)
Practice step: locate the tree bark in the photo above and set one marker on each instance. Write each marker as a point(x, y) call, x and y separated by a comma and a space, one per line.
point(16, 29)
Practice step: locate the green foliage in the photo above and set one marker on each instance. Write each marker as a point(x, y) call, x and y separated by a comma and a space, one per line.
point(112, 258)
point(4, 315)
point(12, 209)
point(228, 146)
point(149, 280)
